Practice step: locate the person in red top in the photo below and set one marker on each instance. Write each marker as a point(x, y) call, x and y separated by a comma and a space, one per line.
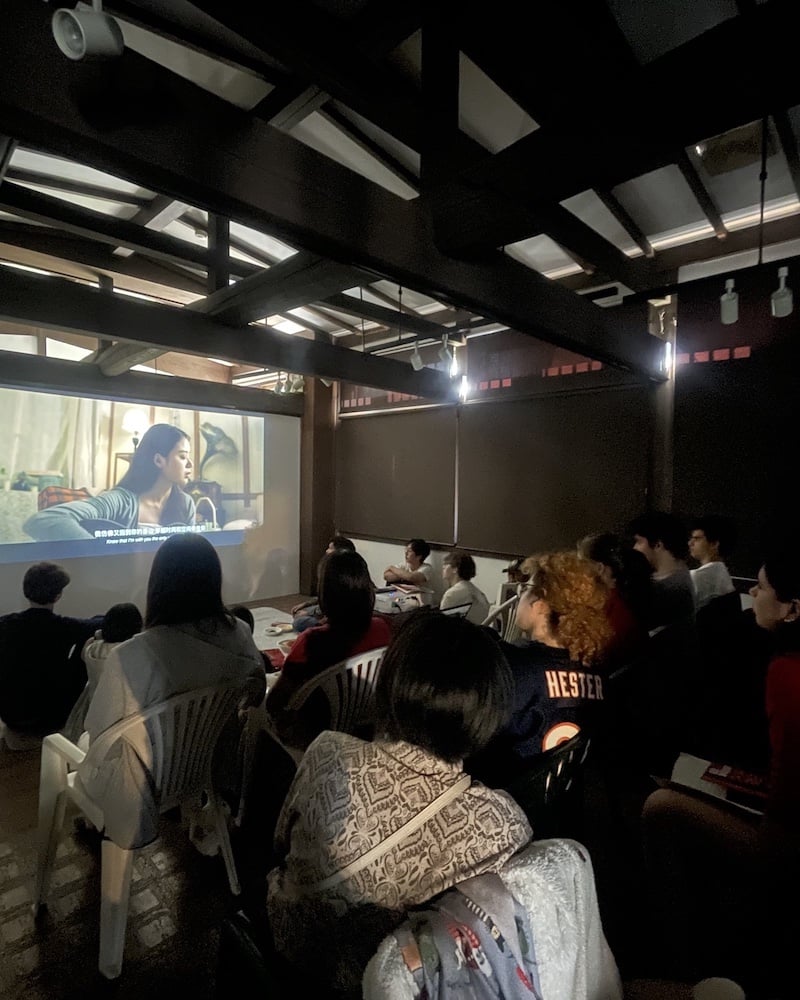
point(627, 573)
point(347, 600)
point(720, 873)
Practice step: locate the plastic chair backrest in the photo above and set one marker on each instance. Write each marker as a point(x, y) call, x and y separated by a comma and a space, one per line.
point(348, 686)
point(549, 789)
point(459, 611)
point(504, 619)
point(175, 738)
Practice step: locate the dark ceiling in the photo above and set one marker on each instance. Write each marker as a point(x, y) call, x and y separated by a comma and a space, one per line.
point(405, 171)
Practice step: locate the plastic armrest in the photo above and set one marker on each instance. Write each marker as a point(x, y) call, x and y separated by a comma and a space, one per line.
point(64, 748)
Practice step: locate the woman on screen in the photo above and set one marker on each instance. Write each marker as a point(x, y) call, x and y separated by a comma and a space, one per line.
point(149, 495)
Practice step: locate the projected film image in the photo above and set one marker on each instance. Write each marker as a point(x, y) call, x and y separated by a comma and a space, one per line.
point(91, 476)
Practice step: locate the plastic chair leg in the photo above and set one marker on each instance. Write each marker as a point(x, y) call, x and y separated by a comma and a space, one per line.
point(52, 804)
point(221, 826)
point(117, 867)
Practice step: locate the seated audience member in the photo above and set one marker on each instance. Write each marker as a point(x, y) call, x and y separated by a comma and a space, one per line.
point(347, 600)
point(516, 576)
point(121, 622)
point(661, 537)
point(710, 544)
point(557, 689)
point(189, 641)
point(442, 691)
point(627, 574)
point(719, 872)
point(307, 614)
point(457, 572)
point(41, 670)
point(415, 570)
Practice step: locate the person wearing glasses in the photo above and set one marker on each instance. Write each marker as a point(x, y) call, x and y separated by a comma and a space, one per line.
point(558, 686)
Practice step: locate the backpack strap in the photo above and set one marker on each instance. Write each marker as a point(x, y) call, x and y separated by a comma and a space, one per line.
point(395, 838)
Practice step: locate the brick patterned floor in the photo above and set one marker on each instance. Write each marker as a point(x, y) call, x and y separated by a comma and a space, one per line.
point(178, 898)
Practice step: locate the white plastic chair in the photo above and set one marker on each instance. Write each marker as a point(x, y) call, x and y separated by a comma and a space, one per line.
point(181, 734)
point(504, 619)
point(458, 611)
point(348, 686)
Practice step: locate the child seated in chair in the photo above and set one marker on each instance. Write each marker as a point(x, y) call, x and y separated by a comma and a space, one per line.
point(121, 622)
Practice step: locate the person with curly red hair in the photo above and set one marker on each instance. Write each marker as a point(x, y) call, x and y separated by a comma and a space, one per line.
point(558, 688)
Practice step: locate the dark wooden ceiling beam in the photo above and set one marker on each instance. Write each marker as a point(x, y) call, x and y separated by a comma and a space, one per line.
point(628, 223)
point(317, 47)
point(158, 214)
point(255, 174)
point(7, 147)
point(440, 98)
point(70, 186)
point(788, 142)
point(335, 117)
point(207, 42)
point(61, 304)
point(392, 318)
point(290, 103)
point(62, 246)
point(297, 280)
point(383, 26)
point(699, 190)
point(92, 225)
point(669, 261)
point(29, 371)
point(553, 162)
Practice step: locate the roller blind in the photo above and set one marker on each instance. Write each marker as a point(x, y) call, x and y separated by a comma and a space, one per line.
point(540, 473)
point(395, 475)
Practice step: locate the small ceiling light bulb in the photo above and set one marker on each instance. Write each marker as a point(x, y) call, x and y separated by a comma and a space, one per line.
point(416, 359)
point(454, 365)
point(729, 304)
point(781, 300)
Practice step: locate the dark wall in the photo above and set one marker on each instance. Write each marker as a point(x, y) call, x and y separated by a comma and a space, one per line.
point(734, 445)
point(395, 475)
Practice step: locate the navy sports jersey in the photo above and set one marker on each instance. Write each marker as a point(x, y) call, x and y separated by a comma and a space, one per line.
point(553, 699)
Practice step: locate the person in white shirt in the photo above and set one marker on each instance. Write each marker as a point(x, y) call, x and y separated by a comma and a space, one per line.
point(710, 543)
point(457, 571)
point(415, 570)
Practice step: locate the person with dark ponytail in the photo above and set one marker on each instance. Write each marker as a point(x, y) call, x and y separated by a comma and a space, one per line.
point(347, 600)
point(150, 494)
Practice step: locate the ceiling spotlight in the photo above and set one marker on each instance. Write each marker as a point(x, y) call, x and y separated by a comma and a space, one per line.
point(781, 300)
point(729, 304)
point(444, 352)
point(87, 34)
point(416, 359)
